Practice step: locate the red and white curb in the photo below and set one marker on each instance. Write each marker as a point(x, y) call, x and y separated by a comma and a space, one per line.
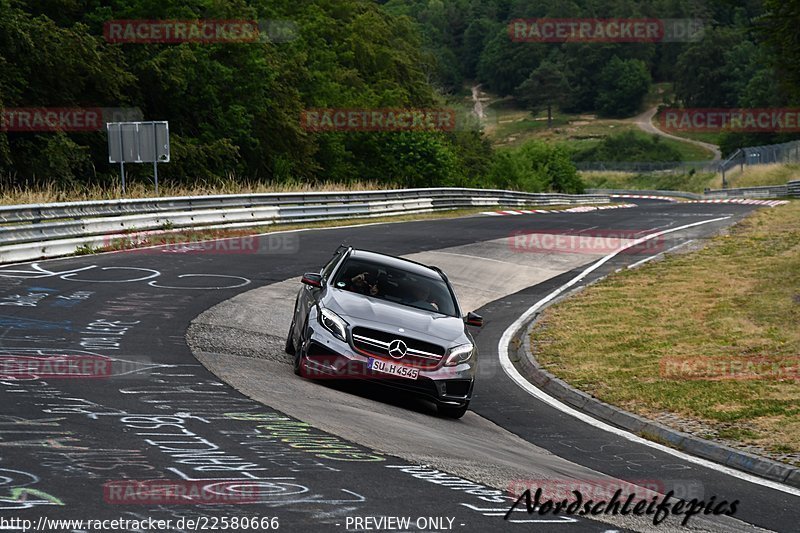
point(581, 209)
point(743, 201)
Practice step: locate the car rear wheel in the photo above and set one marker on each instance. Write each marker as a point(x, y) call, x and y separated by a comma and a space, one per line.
point(450, 411)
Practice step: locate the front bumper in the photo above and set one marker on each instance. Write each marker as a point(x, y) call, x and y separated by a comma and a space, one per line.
point(324, 356)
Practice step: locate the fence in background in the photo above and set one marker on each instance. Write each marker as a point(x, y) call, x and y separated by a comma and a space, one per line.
point(661, 167)
point(760, 155)
point(753, 155)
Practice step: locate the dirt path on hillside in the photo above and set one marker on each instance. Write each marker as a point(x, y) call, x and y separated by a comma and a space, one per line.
point(645, 123)
point(477, 108)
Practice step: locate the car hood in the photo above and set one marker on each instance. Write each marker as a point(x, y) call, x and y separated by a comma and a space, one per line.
point(385, 315)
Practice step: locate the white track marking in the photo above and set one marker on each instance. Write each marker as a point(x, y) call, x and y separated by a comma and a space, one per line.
point(515, 376)
point(579, 209)
point(647, 259)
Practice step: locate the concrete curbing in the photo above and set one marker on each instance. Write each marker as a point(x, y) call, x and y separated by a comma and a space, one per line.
point(530, 368)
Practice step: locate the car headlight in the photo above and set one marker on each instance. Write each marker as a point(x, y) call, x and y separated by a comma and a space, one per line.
point(333, 323)
point(459, 354)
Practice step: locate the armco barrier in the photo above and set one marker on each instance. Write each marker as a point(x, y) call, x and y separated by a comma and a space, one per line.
point(770, 191)
point(52, 230)
point(643, 192)
point(793, 189)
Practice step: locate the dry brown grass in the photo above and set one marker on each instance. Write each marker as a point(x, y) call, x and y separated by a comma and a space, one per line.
point(760, 175)
point(738, 299)
point(51, 193)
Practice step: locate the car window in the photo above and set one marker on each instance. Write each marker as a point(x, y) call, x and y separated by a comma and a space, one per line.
point(395, 285)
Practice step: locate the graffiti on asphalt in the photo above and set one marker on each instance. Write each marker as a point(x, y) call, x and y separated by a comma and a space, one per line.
point(128, 274)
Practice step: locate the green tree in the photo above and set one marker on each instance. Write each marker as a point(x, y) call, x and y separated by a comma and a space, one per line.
point(779, 29)
point(535, 167)
point(623, 85)
point(505, 64)
point(545, 88)
point(629, 146)
point(703, 74)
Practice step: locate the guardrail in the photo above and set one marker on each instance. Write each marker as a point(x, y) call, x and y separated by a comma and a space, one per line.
point(646, 192)
point(769, 191)
point(51, 230)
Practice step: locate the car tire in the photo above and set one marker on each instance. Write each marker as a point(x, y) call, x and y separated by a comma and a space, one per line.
point(297, 364)
point(449, 411)
point(290, 348)
point(298, 357)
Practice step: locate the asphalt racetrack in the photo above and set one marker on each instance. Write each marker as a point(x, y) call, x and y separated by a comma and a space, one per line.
point(318, 457)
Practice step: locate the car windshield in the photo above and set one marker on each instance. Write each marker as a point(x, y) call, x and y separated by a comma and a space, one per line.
point(396, 285)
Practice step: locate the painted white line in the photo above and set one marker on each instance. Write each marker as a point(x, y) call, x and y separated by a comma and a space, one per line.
point(646, 259)
point(528, 387)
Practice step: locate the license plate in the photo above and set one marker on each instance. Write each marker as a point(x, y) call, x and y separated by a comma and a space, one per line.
point(393, 369)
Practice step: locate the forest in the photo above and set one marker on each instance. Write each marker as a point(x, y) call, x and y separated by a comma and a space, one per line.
point(235, 108)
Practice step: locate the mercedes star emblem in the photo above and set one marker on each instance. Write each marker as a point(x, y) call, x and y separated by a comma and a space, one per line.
point(397, 349)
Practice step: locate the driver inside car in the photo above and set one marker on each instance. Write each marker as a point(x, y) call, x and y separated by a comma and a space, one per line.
point(421, 296)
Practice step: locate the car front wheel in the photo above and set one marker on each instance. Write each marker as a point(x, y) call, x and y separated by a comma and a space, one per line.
point(298, 364)
point(290, 349)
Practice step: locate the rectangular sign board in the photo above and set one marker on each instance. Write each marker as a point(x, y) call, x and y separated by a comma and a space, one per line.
point(138, 142)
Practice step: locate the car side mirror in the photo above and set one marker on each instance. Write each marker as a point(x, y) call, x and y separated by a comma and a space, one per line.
point(312, 279)
point(473, 320)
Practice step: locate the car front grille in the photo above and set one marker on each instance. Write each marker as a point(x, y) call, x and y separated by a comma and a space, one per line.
point(376, 343)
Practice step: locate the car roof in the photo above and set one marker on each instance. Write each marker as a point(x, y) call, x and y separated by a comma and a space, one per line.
point(396, 262)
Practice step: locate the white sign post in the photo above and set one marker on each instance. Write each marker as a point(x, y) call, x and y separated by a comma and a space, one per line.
point(138, 142)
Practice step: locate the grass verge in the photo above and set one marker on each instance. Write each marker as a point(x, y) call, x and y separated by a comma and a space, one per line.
point(760, 175)
point(689, 182)
point(729, 312)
